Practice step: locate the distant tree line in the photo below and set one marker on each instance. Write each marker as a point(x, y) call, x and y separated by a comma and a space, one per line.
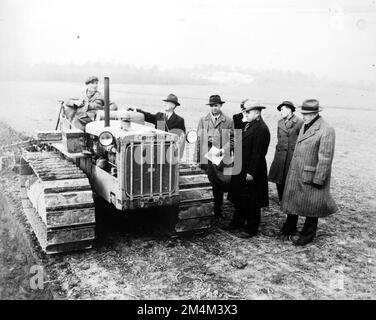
point(201, 75)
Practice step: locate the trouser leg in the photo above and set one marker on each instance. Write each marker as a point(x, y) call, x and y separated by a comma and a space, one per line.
point(289, 227)
point(217, 190)
point(218, 198)
point(253, 219)
point(308, 231)
point(238, 220)
point(280, 188)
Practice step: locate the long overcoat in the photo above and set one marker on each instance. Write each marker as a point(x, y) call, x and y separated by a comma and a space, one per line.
point(307, 188)
point(254, 145)
point(221, 135)
point(287, 134)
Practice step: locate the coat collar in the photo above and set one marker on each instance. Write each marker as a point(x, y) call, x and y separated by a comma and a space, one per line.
point(91, 95)
point(172, 117)
point(311, 131)
point(285, 126)
point(253, 125)
point(221, 118)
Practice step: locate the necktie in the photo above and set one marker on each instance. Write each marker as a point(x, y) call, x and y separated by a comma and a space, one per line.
point(246, 126)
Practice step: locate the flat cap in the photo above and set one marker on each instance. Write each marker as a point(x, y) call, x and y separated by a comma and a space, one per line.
point(91, 79)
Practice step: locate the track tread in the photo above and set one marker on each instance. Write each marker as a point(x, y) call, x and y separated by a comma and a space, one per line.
point(196, 200)
point(62, 199)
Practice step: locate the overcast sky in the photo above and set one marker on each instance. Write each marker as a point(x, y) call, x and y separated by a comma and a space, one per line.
point(328, 38)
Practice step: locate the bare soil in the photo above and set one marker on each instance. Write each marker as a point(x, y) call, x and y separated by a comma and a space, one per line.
point(132, 259)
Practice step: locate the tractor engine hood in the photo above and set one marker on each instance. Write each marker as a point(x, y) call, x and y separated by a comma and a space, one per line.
point(136, 132)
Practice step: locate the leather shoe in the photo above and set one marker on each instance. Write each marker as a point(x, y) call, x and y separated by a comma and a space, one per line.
point(245, 234)
point(232, 226)
point(285, 237)
point(299, 242)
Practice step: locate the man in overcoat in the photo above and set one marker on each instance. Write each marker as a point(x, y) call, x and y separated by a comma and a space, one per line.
point(215, 129)
point(249, 189)
point(307, 188)
point(287, 134)
point(168, 120)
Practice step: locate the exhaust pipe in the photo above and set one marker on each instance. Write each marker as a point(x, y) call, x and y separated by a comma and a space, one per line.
point(106, 101)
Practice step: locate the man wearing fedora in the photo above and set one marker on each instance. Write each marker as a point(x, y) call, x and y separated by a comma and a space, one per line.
point(307, 188)
point(168, 120)
point(215, 130)
point(249, 188)
point(287, 134)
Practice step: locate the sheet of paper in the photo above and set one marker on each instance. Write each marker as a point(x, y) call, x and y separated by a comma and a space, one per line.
point(211, 156)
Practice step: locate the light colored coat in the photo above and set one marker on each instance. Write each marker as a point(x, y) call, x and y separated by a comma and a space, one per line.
point(81, 115)
point(220, 133)
point(287, 132)
point(311, 164)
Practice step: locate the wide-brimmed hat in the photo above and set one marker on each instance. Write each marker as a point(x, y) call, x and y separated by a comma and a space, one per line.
point(172, 98)
point(287, 104)
point(91, 79)
point(252, 105)
point(215, 99)
point(310, 106)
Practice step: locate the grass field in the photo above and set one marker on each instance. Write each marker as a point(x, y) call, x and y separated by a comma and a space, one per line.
point(140, 264)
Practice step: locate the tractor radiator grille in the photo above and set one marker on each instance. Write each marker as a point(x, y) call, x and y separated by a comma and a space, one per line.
point(150, 168)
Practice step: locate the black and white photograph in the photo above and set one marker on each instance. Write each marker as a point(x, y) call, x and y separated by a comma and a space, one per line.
point(206, 153)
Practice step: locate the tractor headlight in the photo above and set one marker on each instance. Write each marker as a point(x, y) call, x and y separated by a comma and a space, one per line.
point(106, 138)
point(191, 136)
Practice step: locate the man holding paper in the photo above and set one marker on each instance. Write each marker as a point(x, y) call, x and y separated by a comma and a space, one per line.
point(215, 139)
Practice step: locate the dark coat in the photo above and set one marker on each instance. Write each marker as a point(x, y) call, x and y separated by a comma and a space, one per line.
point(311, 164)
point(174, 122)
point(287, 135)
point(254, 144)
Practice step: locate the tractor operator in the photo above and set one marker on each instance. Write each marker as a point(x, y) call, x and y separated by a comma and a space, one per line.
point(81, 111)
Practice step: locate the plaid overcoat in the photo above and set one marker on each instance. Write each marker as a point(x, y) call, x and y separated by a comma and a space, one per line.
point(307, 188)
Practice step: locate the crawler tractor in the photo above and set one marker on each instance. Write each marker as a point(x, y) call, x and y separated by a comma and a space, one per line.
point(128, 164)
